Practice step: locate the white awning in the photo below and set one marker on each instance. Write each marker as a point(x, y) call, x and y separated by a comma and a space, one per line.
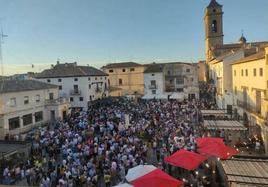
point(177, 96)
point(224, 124)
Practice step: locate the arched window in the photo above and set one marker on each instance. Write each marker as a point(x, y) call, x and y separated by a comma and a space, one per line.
point(214, 26)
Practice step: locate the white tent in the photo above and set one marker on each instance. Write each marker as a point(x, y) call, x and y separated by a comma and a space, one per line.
point(177, 96)
point(139, 171)
point(124, 185)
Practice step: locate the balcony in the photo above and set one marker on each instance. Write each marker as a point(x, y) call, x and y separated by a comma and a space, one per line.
point(75, 92)
point(249, 108)
point(153, 87)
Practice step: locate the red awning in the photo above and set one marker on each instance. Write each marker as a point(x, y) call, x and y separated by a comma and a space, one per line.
point(156, 178)
point(185, 159)
point(215, 147)
point(208, 141)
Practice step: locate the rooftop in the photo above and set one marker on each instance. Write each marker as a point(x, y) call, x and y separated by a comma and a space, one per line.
point(7, 86)
point(122, 65)
point(257, 56)
point(70, 70)
point(214, 3)
point(158, 67)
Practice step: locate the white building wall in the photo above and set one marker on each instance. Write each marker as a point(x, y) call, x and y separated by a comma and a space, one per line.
point(158, 77)
point(85, 92)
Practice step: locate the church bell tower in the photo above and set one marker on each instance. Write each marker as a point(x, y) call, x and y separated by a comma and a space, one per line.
point(213, 28)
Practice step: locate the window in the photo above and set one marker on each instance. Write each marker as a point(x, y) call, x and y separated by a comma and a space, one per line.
point(51, 96)
point(170, 81)
point(153, 91)
point(48, 80)
point(38, 116)
point(90, 98)
point(111, 71)
point(242, 72)
point(187, 70)
point(132, 69)
point(59, 80)
point(180, 80)
point(71, 99)
point(152, 74)
point(37, 98)
point(192, 79)
point(105, 78)
point(13, 101)
point(100, 78)
point(235, 90)
point(179, 89)
point(60, 87)
point(214, 26)
point(14, 123)
point(246, 72)
point(27, 119)
point(254, 72)
point(123, 70)
point(26, 100)
point(153, 82)
point(76, 88)
point(168, 72)
point(234, 72)
point(89, 86)
point(96, 78)
point(261, 72)
point(75, 79)
point(81, 99)
point(120, 81)
point(89, 78)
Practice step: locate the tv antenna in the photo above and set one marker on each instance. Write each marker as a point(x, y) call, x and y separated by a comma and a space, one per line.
point(2, 36)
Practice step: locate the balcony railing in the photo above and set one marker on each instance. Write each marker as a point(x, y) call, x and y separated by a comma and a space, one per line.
point(75, 92)
point(152, 86)
point(249, 108)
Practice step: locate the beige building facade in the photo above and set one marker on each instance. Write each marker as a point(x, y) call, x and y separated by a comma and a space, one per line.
point(25, 104)
point(125, 78)
point(250, 85)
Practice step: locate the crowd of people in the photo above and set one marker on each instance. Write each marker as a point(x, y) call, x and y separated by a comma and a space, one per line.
point(97, 147)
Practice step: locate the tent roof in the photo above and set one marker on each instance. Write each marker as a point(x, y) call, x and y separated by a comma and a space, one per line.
point(185, 159)
point(246, 172)
point(139, 171)
point(156, 178)
point(124, 185)
point(223, 124)
point(201, 142)
point(213, 112)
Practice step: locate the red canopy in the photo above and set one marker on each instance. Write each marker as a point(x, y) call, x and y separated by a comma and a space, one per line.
point(156, 178)
point(215, 147)
point(185, 159)
point(208, 141)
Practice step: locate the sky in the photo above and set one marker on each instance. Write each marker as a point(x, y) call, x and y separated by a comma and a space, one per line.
point(97, 32)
